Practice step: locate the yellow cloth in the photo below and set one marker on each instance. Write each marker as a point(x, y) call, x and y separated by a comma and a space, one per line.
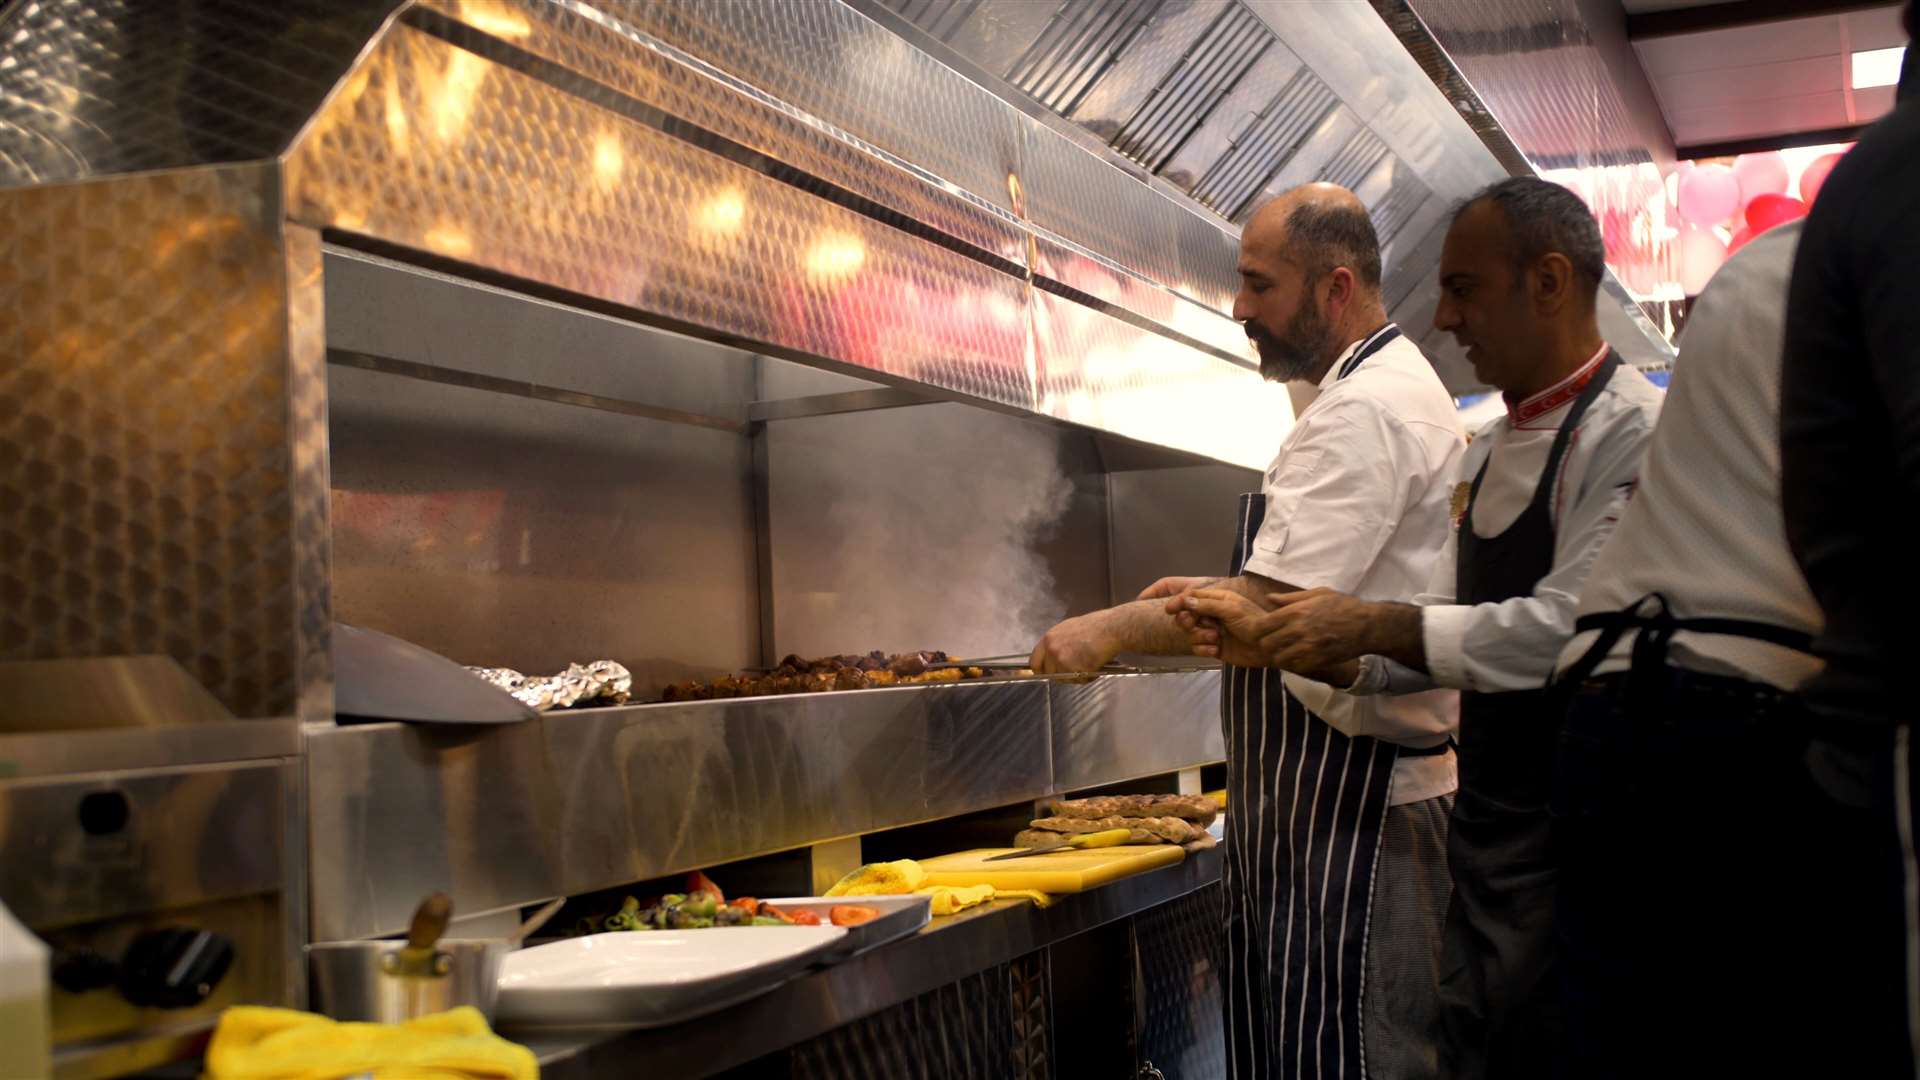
point(948, 899)
point(258, 1043)
point(1039, 898)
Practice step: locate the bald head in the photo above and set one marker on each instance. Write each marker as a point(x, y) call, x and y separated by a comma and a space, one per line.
point(1317, 227)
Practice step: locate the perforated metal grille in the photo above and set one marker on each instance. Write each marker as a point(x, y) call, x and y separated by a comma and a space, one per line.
point(1266, 145)
point(1077, 47)
point(1221, 57)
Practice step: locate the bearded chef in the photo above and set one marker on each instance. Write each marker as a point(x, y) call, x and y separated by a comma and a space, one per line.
point(1334, 913)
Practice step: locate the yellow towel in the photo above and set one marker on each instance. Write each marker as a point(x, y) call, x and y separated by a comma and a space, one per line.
point(258, 1043)
point(948, 899)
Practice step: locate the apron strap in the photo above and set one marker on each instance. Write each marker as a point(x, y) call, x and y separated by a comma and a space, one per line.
point(1657, 625)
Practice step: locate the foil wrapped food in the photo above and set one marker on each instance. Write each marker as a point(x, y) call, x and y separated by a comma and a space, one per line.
point(602, 682)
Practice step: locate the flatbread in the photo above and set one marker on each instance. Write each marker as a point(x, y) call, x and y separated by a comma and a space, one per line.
point(1195, 808)
point(1146, 830)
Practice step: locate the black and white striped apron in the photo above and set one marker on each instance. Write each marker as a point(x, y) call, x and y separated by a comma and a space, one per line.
point(1305, 805)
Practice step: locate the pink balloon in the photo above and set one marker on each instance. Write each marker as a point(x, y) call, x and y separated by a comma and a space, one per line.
point(1766, 211)
point(1697, 255)
point(1760, 174)
point(1640, 277)
point(1708, 195)
point(1739, 240)
point(1815, 174)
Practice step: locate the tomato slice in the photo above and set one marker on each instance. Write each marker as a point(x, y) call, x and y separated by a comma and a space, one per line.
point(805, 918)
point(852, 915)
point(698, 883)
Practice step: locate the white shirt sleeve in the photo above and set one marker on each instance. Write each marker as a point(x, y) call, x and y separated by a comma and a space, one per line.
point(1513, 644)
point(1334, 497)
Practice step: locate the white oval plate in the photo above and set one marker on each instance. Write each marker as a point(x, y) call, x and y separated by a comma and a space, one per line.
point(648, 978)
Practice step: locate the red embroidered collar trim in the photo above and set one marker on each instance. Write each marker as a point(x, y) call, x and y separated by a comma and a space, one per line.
point(1556, 395)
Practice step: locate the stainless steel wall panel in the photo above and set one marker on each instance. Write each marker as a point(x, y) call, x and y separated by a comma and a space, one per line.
point(1233, 42)
point(1101, 372)
point(1122, 727)
point(390, 309)
point(931, 527)
point(570, 803)
point(1077, 48)
point(601, 47)
point(506, 532)
point(156, 431)
point(838, 65)
point(1175, 521)
point(92, 87)
point(434, 149)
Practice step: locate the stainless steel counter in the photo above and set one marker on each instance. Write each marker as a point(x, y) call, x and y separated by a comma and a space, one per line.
point(949, 949)
point(501, 816)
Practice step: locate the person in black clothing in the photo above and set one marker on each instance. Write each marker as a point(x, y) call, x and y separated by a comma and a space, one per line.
point(1850, 473)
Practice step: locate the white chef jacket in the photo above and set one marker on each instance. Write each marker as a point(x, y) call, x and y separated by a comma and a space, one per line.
point(1514, 644)
point(1705, 528)
point(1357, 501)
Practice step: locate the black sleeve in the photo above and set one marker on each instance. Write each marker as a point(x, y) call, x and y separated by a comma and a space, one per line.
point(1887, 267)
point(1850, 416)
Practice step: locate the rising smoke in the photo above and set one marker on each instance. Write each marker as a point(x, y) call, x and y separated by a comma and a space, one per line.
point(915, 528)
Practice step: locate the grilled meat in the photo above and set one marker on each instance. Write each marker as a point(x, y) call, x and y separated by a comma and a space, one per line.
point(797, 675)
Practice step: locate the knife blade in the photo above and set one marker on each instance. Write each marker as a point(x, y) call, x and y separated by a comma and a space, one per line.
point(1107, 838)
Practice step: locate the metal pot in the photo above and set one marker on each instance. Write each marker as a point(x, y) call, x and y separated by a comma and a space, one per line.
point(366, 980)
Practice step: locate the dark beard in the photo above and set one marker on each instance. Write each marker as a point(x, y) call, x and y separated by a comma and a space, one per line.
point(1295, 354)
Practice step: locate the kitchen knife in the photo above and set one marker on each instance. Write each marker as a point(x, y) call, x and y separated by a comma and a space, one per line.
point(1109, 838)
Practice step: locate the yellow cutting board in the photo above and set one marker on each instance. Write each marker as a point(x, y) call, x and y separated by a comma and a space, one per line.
point(1055, 872)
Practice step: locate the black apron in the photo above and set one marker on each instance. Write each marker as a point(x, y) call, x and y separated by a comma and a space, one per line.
point(1499, 997)
point(1305, 804)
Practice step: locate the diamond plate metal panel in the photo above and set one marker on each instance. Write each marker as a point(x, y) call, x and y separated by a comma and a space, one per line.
point(1178, 950)
point(1082, 198)
point(434, 148)
point(149, 492)
point(836, 64)
point(962, 1031)
point(1179, 105)
point(307, 442)
point(1111, 283)
point(1099, 371)
point(654, 82)
point(91, 87)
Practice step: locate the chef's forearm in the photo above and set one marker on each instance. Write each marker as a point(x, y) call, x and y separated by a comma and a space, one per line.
point(1396, 632)
point(1144, 626)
